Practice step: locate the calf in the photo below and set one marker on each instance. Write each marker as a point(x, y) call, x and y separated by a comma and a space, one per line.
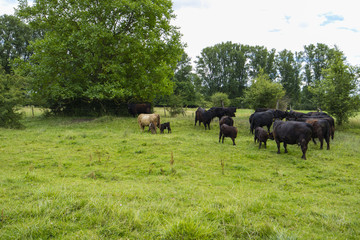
point(261, 136)
point(152, 128)
point(228, 131)
point(292, 132)
point(164, 126)
point(226, 120)
point(321, 130)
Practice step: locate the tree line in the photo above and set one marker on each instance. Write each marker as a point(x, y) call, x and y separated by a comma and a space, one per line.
point(85, 57)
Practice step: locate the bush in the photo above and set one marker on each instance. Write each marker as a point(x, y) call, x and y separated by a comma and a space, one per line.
point(11, 96)
point(220, 100)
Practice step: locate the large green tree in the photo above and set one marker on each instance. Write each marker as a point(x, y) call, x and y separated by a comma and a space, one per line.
point(96, 52)
point(262, 59)
point(15, 37)
point(222, 68)
point(338, 91)
point(315, 58)
point(184, 81)
point(289, 68)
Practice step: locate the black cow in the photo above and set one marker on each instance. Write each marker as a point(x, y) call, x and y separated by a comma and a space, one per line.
point(265, 118)
point(204, 117)
point(198, 115)
point(226, 120)
point(164, 126)
point(293, 115)
point(261, 136)
point(138, 108)
point(260, 119)
point(326, 117)
point(220, 111)
point(321, 130)
point(292, 132)
point(228, 131)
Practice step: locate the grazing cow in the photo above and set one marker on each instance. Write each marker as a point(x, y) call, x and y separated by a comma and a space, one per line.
point(164, 126)
point(220, 111)
point(226, 120)
point(228, 131)
point(138, 108)
point(292, 115)
point(292, 132)
point(261, 136)
point(260, 119)
point(321, 130)
point(198, 115)
point(326, 117)
point(204, 116)
point(261, 109)
point(146, 119)
point(265, 118)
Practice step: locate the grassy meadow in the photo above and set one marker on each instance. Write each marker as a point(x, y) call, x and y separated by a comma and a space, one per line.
point(102, 178)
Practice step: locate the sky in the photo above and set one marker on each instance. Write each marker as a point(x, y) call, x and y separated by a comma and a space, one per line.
point(278, 24)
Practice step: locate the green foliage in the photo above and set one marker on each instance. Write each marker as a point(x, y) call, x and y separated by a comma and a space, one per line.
point(175, 105)
point(263, 93)
point(15, 37)
point(222, 68)
point(338, 92)
point(220, 99)
point(11, 96)
point(289, 68)
point(102, 51)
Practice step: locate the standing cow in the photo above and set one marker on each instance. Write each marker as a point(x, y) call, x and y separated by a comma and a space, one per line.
point(292, 132)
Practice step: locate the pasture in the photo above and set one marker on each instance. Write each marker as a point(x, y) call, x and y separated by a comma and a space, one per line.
point(71, 178)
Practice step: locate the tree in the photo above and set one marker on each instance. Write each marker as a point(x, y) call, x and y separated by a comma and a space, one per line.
point(261, 59)
point(338, 92)
point(220, 100)
point(15, 37)
point(99, 53)
point(222, 68)
point(11, 96)
point(289, 68)
point(263, 93)
point(184, 81)
point(315, 59)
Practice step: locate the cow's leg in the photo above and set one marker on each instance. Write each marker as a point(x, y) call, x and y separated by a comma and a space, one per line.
point(285, 145)
point(223, 136)
point(278, 146)
point(233, 139)
point(265, 144)
point(220, 136)
point(321, 142)
point(255, 139)
point(328, 143)
point(303, 148)
point(314, 140)
point(259, 144)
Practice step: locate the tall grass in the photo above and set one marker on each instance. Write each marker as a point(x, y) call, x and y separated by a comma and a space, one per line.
point(69, 178)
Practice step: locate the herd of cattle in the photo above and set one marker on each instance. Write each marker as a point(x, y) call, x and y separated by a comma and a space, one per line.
point(299, 128)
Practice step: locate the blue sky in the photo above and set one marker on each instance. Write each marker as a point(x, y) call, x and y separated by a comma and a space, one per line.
point(279, 24)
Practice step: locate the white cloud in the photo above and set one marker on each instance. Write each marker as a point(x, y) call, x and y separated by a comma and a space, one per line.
point(7, 6)
point(279, 24)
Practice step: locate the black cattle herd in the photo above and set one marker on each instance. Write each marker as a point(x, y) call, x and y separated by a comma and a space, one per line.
point(299, 128)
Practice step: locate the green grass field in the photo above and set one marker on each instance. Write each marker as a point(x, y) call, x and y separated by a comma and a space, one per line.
point(71, 178)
